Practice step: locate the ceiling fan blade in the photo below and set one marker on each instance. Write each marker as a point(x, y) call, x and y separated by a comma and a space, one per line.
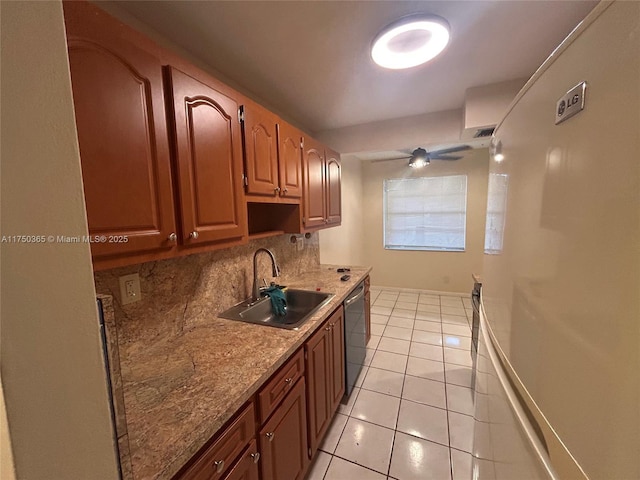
point(389, 159)
point(444, 157)
point(459, 148)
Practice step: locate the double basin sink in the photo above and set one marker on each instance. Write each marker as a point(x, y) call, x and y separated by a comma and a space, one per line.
point(301, 305)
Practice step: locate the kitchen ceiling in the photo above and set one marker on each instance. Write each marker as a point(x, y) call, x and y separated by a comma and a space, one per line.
point(310, 60)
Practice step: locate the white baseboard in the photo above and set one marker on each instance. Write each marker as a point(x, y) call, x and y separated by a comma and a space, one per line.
point(416, 290)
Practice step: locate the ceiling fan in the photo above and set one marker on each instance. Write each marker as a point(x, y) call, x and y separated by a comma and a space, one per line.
point(420, 157)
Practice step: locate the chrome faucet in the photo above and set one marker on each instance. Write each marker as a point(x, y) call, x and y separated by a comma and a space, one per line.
point(274, 267)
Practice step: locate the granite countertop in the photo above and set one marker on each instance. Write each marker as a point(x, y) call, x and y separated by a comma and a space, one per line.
point(180, 392)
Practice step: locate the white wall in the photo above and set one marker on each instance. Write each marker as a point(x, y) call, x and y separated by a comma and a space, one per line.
point(344, 244)
point(396, 134)
point(439, 271)
point(52, 370)
point(484, 106)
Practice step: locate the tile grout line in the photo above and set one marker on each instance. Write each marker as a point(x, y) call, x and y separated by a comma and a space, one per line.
point(355, 463)
point(353, 406)
point(395, 430)
point(393, 440)
point(401, 398)
point(398, 415)
point(446, 400)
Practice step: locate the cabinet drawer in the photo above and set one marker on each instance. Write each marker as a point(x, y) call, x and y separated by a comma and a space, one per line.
point(246, 468)
point(217, 459)
point(279, 385)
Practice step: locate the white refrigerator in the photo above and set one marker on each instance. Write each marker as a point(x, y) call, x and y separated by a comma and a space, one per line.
point(557, 389)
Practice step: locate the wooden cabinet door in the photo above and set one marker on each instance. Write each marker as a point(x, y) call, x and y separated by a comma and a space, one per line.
point(283, 439)
point(314, 183)
point(217, 458)
point(208, 150)
point(337, 380)
point(261, 151)
point(246, 468)
point(290, 160)
point(122, 134)
point(334, 200)
point(318, 354)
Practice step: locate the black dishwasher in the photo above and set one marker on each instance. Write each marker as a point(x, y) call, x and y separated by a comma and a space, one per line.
point(355, 337)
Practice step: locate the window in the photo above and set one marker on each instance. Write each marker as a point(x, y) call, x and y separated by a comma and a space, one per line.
point(496, 212)
point(427, 213)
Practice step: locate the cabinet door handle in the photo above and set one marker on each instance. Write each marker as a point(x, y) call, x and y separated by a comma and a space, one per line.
point(255, 457)
point(270, 436)
point(194, 235)
point(172, 237)
point(277, 189)
point(285, 190)
point(327, 328)
point(288, 380)
point(219, 464)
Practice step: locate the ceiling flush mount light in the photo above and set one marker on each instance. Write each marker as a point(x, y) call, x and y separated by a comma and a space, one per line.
point(410, 42)
point(419, 158)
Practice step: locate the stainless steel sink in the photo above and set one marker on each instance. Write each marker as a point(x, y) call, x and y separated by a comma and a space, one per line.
point(301, 304)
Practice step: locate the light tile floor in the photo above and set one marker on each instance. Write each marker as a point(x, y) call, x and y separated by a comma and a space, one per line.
point(410, 415)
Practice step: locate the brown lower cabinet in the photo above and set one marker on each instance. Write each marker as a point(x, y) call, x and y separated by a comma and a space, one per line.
point(246, 468)
point(337, 375)
point(283, 439)
point(324, 353)
point(213, 461)
point(289, 416)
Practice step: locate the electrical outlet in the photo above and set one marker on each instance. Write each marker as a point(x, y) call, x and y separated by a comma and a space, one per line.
point(130, 289)
point(300, 243)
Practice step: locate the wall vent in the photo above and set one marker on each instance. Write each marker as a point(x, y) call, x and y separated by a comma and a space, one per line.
point(484, 132)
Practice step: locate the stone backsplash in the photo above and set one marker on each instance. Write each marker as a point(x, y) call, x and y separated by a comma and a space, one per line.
point(179, 293)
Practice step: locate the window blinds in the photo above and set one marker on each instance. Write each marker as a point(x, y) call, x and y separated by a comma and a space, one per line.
point(426, 213)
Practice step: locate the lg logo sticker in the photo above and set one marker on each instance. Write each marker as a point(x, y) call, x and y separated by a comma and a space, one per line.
point(570, 103)
point(561, 107)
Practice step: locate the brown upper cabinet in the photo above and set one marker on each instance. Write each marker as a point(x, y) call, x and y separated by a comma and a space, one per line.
point(208, 152)
point(334, 200)
point(273, 157)
point(290, 155)
point(259, 127)
point(314, 185)
point(322, 199)
point(161, 147)
point(131, 120)
point(122, 134)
